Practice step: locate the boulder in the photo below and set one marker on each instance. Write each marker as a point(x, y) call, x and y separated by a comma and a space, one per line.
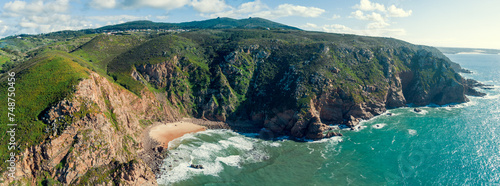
point(196, 166)
point(266, 134)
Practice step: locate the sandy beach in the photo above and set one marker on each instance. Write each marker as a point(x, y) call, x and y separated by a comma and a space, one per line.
point(167, 132)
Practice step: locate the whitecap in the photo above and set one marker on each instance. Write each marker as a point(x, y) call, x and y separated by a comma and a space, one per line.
point(422, 112)
point(394, 114)
point(233, 160)
point(491, 96)
point(311, 150)
point(206, 150)
point(226, 148)
point(362, 127)
point(238, 143)
point(274, 144)
point(357, 128)
point(183, 171)
point(379, 126)
point(412, 132)
point(385, 114)
point(334, 139)
point(471, 102)
point(176, 142)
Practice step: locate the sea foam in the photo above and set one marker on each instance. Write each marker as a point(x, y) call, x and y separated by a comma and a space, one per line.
point(379, 126)
point(412, 132)
point(213, 149)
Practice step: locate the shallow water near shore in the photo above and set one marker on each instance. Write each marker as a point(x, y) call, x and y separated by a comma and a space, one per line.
point(441, 145)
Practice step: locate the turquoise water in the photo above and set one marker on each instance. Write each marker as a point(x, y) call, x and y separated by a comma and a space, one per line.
point(442, 145)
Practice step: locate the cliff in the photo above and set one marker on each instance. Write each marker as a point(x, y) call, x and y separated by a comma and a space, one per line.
point(290, 82)
point(87, 110)
point(96, 137)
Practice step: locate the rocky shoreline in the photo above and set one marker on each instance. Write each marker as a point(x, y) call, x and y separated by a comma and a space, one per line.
point(293, 83)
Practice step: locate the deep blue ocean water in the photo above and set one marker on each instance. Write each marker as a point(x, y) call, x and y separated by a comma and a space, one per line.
point(457, 145)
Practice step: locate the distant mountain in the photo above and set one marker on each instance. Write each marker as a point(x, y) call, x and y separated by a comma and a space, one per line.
point(449, 50)
point(218, 23)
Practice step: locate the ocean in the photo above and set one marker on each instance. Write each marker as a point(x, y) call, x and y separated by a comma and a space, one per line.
point(458, 145)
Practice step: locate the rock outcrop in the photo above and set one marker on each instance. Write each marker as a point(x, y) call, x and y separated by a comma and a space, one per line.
point(96, 137)
point(273, 82)
point(299, 89)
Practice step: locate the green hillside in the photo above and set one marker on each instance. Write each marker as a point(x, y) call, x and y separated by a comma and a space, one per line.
point(40, 83)
point(158, 50)
point(289, 81)
point(102, 49)
point(218, 23)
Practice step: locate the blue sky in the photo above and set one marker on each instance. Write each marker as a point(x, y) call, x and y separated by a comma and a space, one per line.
point(454, 23)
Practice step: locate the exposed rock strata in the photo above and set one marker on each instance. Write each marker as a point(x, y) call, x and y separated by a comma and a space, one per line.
point(296, 86)
point(97, 134)
point(300, 99)
point(274, 89)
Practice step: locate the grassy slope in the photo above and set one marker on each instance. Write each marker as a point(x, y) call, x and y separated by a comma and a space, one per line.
point(157, 50)
point(40, 82)
point(293, 48)
point(3, 59)
point(104, 48)
point(47, 78)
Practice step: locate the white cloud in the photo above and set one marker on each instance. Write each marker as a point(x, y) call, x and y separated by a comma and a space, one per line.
point(378, 18)
point(202, 6)
point(310, 25)
point(242, 11)
point(366, 5)
point(19, 8)
point(160, 4)
point(209, 6)
point(385, 32)
point(14, 6)
point(335, 16)
point(377, 25)
point(253, 6)
point(103, 4)
point(28, 25)
point(393, 11)
point(3, 29)
point(259, 9)
point(358, 14)
point(116, 18)
point(161, 17)
point(286, 10)
point(338, 28)
point(39, 16)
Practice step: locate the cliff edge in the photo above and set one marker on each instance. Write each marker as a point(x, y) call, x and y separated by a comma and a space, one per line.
point(87, 110)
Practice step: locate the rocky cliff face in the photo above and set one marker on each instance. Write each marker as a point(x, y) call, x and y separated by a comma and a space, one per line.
point(283, 82)
point(298, 89)
point(96, 138)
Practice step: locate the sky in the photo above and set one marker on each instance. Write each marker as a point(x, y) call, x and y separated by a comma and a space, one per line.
point(445, 23)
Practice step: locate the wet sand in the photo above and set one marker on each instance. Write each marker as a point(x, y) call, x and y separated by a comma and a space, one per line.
point(167, 132)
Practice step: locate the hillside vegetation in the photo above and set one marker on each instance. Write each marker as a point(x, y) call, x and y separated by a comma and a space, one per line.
point(40, 83)
point(289, 81)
